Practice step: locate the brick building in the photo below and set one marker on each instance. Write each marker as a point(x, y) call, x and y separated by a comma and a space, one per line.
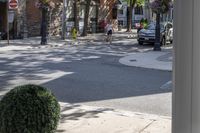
point(27, 18)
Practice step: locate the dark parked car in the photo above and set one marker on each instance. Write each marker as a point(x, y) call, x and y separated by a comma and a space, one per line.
point(148, 35)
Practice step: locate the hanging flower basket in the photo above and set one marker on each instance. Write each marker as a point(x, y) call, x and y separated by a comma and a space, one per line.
point(161, 6)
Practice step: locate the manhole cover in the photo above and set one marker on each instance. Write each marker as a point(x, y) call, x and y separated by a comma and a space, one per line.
point(133, 60)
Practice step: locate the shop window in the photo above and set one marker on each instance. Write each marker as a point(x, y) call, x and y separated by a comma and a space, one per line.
point(139, 10)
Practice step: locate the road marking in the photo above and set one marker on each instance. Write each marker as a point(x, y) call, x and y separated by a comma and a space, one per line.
point(167, 86)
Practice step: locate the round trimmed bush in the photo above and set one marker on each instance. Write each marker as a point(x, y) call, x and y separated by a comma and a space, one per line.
point(29, 109)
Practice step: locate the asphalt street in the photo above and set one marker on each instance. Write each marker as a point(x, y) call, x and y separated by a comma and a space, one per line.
point(89, 75)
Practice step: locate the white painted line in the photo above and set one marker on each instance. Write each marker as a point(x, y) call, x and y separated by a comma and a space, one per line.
point(167, 86)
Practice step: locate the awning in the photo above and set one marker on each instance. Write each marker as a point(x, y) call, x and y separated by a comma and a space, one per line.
point(3, 0)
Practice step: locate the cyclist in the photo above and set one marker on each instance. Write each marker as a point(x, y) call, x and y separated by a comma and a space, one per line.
point(109, 30)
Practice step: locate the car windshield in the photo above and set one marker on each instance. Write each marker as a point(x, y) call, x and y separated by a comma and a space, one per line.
point(153, 26)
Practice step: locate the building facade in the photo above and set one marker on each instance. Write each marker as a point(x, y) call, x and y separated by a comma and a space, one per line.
point(152, 16)
point(100, 10)
point(138, 14)
point(26, 20)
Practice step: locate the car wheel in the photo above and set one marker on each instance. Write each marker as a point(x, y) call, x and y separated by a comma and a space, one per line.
point(140, 43)
point(163, 42)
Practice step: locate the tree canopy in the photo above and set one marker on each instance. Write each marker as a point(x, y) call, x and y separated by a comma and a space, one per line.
point(161, 6)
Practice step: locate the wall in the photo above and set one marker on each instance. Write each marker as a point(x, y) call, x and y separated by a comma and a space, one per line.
point(21, 19)
point(29, 19)
point(33, 16)
point(123, 17)
point(135, 17)
point(105, 11)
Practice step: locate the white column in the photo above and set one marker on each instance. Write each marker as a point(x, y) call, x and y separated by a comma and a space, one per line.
point(186, 93)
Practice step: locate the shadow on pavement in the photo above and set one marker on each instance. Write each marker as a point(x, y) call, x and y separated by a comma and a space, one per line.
point(79, 74)
point(71, 112)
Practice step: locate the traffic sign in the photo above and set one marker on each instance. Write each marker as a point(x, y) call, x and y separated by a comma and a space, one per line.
point(13, 4)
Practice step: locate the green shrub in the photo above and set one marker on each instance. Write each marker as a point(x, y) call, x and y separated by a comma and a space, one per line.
point(29, 109)
point(142, 21)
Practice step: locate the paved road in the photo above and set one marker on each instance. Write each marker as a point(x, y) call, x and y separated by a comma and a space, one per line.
point(90, 75)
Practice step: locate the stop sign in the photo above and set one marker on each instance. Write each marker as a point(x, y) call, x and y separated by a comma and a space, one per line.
point(13, 4)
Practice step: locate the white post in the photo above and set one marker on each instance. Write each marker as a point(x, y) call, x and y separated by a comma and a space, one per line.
point(64, 20)
point(186, 93)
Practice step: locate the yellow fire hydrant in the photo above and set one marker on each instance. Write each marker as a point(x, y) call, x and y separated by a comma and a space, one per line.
point(74, 33)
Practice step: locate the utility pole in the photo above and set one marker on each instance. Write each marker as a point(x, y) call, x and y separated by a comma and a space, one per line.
point(64, 19)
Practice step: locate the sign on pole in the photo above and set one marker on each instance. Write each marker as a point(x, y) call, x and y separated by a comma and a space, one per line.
point(13, 4)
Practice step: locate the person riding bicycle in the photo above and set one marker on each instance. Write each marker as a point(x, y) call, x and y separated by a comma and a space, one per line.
point(109, 30)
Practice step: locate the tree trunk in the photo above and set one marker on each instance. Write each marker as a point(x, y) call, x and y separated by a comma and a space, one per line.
point(44, 27)
point(76, 22)
point(130, 16)
point(86, 19)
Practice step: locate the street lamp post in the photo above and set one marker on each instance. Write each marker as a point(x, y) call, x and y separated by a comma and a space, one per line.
point(157, 33)
point(159, 7)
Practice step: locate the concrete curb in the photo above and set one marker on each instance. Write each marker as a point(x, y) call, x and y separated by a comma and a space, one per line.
point(151, 59)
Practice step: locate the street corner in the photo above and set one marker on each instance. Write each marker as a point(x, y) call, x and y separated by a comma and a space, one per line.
point(151, 59)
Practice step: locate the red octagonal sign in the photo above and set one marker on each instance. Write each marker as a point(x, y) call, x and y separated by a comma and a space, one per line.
point(13, 4)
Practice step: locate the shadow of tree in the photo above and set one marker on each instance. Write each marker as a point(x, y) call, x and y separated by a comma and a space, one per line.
point(73, 112)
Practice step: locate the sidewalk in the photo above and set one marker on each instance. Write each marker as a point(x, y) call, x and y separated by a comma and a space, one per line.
point(56, 41)
point(85, 119)
point(160, 60)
